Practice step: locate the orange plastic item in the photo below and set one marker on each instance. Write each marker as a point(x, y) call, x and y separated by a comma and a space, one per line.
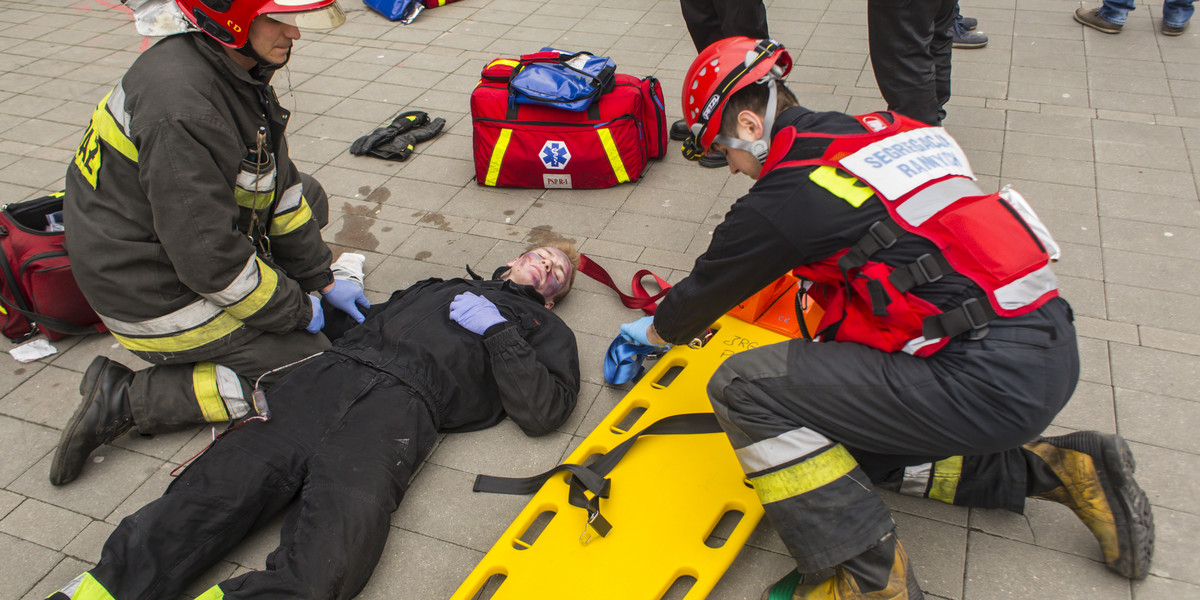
point(754, 306)
point(778, 314)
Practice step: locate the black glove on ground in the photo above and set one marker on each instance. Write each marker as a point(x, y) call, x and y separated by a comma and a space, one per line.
point(404, 122)
point(401, 147)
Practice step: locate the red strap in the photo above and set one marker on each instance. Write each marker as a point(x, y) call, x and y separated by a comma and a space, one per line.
point(547, 56)
point(640, 298)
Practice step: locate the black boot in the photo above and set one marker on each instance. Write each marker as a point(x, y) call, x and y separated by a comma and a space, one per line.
point(679, 130)
point(101, 417)
point(1096, 475)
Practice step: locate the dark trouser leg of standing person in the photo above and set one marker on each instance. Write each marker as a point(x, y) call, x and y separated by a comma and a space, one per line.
point(712, 20)
point(910, 44)
point(794, 410)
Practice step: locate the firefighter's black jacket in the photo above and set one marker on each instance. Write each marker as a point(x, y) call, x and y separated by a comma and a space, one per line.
point(530, 363)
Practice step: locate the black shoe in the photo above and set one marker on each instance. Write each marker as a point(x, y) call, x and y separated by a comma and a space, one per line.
point(1096, 472)
point(964, 38)
point(679, 130)
point(968, 23)
point(1091, 18)
point(102, 416)
point(1173, 30)
point(713, 160)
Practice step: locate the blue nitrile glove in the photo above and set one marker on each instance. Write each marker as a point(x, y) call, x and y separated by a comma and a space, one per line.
point(318, 318)
point(635, 332)
point(474, 312)
point(347, 297)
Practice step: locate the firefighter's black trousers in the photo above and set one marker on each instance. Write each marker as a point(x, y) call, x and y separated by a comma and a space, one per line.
point(815, 425)
point(177, 391)
point(344, 441)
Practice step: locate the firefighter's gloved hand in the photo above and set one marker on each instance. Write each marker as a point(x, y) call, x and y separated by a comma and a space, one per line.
point(402, 146)
point(475, 313)
point(348, 297)
point(404, 122)
point(318, 318)
point(636, 332)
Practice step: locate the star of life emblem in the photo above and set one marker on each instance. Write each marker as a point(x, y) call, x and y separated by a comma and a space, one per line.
point(555, 154)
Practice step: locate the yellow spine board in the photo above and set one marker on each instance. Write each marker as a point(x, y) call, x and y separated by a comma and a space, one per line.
point(667, 496)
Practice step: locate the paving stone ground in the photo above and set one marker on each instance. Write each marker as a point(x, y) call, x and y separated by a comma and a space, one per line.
point(1100, 132)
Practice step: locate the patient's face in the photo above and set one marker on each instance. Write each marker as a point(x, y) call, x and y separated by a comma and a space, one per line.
point(548, 270)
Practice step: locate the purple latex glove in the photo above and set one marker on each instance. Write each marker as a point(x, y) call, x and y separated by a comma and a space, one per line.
point(318, 318)
point(474, 312)
point(348, 297)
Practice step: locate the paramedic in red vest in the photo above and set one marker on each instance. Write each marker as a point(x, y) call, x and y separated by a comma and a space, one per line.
point(191, 231)
point(933, 372)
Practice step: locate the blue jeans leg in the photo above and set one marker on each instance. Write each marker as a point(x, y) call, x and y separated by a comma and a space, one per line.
point(1177, 12)
point(1114, 11)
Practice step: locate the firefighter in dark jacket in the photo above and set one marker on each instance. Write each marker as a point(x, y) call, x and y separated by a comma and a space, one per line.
point(346, 433)
point(191, 232)
point(943, 353)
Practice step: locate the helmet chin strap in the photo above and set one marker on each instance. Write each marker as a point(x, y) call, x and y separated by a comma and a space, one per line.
point(760, 147)
point(263, 64)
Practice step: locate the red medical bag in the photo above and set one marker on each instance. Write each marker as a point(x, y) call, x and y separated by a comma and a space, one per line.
point(37, 289)
point(534, 146)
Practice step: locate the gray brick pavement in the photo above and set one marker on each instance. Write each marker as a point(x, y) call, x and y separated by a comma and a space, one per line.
point(1098, 131)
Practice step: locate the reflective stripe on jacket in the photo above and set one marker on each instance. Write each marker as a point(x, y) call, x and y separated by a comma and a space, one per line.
point(186, 219)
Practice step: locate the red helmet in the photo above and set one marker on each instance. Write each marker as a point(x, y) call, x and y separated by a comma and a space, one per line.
point(228, 21)
point(721, 70)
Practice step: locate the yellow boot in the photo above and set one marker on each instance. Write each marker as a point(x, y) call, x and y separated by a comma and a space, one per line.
point(886, 564)
point(1096, 471)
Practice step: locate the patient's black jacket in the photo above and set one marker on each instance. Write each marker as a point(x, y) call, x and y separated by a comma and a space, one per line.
point(530, 363)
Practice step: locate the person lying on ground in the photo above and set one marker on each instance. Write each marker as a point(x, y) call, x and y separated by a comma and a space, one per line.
point(345, 432)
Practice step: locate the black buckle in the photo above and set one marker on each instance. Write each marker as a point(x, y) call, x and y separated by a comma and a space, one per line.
point(883, 235)
point(927, 271)
point(975, 313)
point(692, 149)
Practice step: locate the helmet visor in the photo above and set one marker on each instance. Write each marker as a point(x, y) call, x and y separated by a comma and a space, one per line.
point(322, 19)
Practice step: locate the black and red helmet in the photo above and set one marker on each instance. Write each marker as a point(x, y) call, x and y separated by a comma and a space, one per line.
point(718, 73)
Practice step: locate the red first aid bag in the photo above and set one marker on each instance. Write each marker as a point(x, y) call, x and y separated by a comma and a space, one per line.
point(535, 146)
point(37, 289)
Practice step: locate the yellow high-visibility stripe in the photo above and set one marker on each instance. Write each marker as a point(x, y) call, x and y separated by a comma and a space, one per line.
point(842, 187)
point(614, 156)
point(283, 224)
point(212, 593)
point(221, 326)
point(102, 127)
point(208, 395)
point(106, 126)
point(268, 280)
point(85, 587)
point(253, 200)
point(946, 474)
point(804, 476)
point(497, 157)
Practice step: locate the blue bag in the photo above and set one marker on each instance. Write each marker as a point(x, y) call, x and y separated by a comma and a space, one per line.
point(397, 10)
point(570, 81)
